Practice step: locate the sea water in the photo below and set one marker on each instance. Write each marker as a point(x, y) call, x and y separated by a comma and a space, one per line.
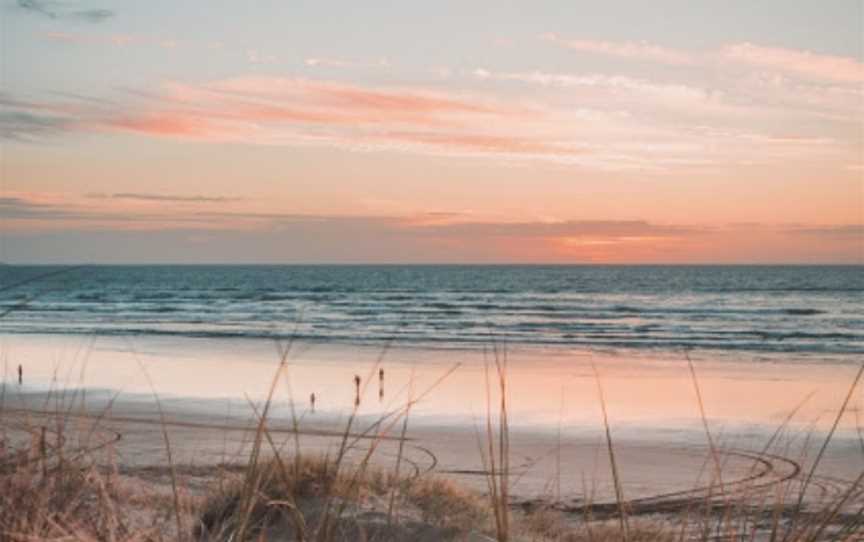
point(747, 312)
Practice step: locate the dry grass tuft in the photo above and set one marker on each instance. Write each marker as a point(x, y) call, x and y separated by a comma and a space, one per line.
point(546, 524)
point(443, 503)
point(46, 496)
point(431, 508)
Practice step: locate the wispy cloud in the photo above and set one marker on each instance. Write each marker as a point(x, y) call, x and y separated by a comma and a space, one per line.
point(21, 208)
point(62, 209)
point(26, 212)
point(804, 63)
point(640, 50)
point(801, 63)
point(301, 111)
point(749, 98)
point(27, 126)
point(100, 39)
point(613, 85)
point(70, 9)
point(120, 40)
point(165, 198)
point(255, 56)
point(615, 123)
point(323, 62)
point(39, 213)
point(843, 232)
point(607, 229)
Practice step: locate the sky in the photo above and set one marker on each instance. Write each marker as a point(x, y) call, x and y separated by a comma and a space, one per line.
point(432, 132)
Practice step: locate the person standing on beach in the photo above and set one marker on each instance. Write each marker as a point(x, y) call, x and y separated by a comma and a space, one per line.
point(312, 401)
point(380, 384)
point(20, 374)
point(356, 390)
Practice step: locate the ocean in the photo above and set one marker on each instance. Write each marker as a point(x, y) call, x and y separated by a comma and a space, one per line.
point(750, 312)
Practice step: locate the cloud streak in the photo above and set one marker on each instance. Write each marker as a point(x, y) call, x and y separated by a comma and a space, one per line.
point(324, 62)
point(748, 100)
point(807, 64)
point(164, 198)
point(611, 123)
point(27, 212)
point(640, 50)
point(804, 63)
point(274, 111)
point(844, 232)
point(55, 9)
point(97, 39)
point(27, 126)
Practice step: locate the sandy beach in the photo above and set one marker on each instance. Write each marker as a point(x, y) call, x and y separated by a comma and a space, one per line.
point(558, 448)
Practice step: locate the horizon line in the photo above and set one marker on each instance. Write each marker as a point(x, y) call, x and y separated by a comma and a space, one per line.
point(435, 264)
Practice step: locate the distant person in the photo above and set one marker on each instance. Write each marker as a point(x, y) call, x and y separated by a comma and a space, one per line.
point(356, 390)
point(312, 402)
point(20, 374)
point(380, 384)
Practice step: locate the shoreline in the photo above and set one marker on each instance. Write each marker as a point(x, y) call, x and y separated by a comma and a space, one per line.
point(549, 388)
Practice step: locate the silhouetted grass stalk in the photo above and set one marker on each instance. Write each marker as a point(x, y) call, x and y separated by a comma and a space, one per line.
point(496, 462)
point(619, 490)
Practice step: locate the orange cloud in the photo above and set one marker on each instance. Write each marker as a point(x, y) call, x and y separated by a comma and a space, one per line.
point(279, 110)
point(165, 124)
point(382, 101)
point(482, 142)
point(410, 101)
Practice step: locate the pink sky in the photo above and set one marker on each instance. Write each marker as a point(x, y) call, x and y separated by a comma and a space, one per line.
point(529, 141)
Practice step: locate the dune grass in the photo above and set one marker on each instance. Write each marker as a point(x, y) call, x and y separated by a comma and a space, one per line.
point(428, 505)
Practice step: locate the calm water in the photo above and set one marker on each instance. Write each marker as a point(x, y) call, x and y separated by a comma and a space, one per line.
point(743, 311)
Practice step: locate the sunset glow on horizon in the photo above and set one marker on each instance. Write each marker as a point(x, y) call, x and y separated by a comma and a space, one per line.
point(563, 132)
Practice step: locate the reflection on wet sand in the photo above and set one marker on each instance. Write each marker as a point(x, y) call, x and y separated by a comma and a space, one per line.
point(547, 389)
